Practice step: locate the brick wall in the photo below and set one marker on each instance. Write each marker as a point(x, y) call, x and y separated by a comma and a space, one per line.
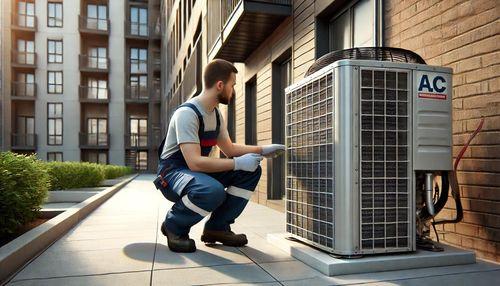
point(465, 36)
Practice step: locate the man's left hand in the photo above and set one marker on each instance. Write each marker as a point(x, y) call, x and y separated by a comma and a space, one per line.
point(273, 150)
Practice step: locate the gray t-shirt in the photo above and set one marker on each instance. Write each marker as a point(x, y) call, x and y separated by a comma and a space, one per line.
point(183, 127)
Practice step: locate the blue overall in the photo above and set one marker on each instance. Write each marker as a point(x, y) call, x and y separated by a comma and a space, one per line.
point(224, 195)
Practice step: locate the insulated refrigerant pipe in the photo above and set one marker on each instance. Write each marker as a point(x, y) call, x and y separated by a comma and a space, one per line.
point(429, 194)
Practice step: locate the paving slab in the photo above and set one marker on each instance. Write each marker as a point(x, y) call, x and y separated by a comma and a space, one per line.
point(123, 279)
point(236, 273)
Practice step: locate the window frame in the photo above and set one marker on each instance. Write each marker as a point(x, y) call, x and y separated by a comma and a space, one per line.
point(55, 17)
point(55, 118)
point(55, 84)
point(55, 54)
point(54, 159)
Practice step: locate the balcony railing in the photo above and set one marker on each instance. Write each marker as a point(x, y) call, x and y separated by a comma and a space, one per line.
point(94, 140)
point(136, 93)
point(237, 27)
point(24, 90)
point(93, 25)
point(24, 22)
point(93, 94)
point(24, 59)
point(94, 64)
point(136, 29)
point(24, 141)
point(136, 140)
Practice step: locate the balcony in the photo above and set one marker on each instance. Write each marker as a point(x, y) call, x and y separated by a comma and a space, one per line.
point(23, 90)
point(237, 27)
point(94, 140)
point(93, 94)
point(136, 93)
point(137, 31)
point(94, 64)
point(24, 22)
point(25, 60)
point(24, 141)
point(136, 141)
point(93, 26)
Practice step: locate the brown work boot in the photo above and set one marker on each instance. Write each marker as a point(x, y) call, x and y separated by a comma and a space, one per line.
point(178, 243)
point(228, 238)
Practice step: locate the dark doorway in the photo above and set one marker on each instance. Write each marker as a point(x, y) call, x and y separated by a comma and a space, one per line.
point(251, 112)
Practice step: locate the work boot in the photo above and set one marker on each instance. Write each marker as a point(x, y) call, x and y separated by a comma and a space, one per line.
point(178, 243)
point(227, 237)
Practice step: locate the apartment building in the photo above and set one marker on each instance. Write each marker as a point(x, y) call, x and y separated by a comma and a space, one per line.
point(81, 80)
point(274, 42)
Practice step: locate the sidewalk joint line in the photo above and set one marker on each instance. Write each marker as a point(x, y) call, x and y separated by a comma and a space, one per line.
point(76, 276)
point(156, 247)
point(259, 266)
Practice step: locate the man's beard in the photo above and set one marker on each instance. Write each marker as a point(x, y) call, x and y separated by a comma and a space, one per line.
point(223, 99)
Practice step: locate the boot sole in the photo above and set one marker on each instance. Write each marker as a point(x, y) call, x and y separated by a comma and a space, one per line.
point(211, 240)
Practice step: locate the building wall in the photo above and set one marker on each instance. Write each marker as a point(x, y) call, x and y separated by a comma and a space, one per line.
point(463, 35)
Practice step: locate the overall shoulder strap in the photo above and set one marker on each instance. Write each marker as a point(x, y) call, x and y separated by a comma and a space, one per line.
point(217, 116)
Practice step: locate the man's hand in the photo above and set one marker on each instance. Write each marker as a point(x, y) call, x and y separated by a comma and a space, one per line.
point(273, 150)
point(248, 162)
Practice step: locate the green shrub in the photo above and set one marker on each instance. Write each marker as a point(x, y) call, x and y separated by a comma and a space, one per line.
point(24, 183)
point(114, 171)
point(69, 175)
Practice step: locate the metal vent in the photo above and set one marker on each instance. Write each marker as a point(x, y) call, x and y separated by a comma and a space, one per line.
point(309, 186)
point(367, 53)
point(384, 164)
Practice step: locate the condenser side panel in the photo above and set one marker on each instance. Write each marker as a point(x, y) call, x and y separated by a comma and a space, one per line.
point(432, 112)
point(346, 190)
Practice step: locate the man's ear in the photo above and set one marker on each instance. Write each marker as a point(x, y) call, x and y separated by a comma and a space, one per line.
point(220, 85)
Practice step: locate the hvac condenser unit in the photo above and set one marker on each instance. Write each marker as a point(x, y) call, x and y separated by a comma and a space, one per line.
point(366, 129)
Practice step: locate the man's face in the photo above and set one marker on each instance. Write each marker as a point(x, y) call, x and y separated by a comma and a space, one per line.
point(227, 91)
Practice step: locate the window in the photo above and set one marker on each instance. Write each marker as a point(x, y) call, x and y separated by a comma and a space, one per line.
point(141, 160)
point(26, 14)
point(98, 57)
point(138, 60)
point(55, 123)
point(139, 86)
point(354, 27)
point(251, 112)
point(25, 85)
point(25, 52)
point(100, 157)
point(55, 51)
point(138, 132)
point(54, 156)
point(55, 14)
point(97, 131)
point(97, 88)
point(97, 17)
point(25, 131)
point(54, 81)
point(138, 21)
point(281, 78)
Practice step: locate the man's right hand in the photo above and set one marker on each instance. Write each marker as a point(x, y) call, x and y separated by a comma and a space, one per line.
point(248, 162)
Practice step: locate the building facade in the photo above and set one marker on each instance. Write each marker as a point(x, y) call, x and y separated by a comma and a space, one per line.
point(274, 42)
point(81, 80)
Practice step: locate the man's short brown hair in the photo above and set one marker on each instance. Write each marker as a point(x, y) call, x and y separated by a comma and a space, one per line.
point(216, 70)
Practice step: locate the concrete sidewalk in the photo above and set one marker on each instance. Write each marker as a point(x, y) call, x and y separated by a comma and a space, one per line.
point(120, 244)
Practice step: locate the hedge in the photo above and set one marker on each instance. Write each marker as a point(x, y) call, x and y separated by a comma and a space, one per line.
point(70, 175)
point(114, 171)
point(24, 185)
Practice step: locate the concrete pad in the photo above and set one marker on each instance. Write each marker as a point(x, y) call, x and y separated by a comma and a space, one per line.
point(97, 244)
point(54, 264)
point(261, 251)
point(329, 265)
point(238, 273)
point(57, 206)
point(123, 279)
point(435, 275)
point(205, 255)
